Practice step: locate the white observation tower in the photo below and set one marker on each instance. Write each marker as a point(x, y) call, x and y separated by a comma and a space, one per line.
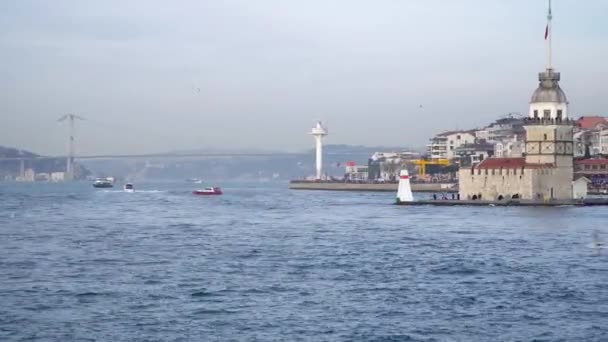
point(319, 132)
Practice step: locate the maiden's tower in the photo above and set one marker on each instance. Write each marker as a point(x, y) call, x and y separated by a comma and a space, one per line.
point(545, 170)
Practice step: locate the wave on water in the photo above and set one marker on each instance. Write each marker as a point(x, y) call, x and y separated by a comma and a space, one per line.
point(210, 292)
point(213, 312)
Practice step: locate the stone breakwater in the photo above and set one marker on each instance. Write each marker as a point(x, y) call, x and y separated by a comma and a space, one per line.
point(514, 203)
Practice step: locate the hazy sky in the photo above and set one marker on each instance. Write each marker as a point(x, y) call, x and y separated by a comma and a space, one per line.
point(267, 69)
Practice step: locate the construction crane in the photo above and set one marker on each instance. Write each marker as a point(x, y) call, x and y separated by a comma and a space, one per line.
point(422, 163)
point(69, 170)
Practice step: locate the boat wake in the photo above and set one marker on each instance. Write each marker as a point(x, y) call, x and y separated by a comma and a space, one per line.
point(597, 244)
point(135, 191)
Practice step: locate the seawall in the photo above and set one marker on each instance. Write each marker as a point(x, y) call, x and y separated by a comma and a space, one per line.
point(388, 187)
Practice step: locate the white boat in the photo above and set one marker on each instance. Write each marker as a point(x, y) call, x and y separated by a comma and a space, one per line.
point(103, 183)
point(208, 191)
point(128, 187)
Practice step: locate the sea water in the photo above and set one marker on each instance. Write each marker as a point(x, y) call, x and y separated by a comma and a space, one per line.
point(262, 262)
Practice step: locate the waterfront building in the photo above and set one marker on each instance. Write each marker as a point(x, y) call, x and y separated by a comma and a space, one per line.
point(28, 175)
point(588, 141)
point(58, 176)
point(386, 165)
point(355, 172)
point(594, 169)
point(444, 145)
point(395, 156)
point(470, 154)
point(505, 128)
point(510, 147)
point(482, 134)
point(42, 177)
point(588, 132)
point(603, 140)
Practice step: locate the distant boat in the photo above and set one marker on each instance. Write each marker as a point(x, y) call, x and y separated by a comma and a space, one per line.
point(103, 183)
point(128, 187)
point(194, 180)
point(208, 191)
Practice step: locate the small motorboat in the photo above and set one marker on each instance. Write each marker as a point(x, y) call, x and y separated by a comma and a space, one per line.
point(208, 191)
point(128, 187)
point(103, 183)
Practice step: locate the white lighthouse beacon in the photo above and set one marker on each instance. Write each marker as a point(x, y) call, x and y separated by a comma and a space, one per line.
point(319, 132)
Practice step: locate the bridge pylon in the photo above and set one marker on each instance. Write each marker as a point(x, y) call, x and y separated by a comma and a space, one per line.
point(69, 168)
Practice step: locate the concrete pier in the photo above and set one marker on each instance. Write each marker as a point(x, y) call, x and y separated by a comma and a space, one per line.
point(378, 187)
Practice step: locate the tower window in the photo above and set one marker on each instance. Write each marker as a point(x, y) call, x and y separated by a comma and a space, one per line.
point(559, 114)
point(546, 113)
point(545, 136)
point(536, 114)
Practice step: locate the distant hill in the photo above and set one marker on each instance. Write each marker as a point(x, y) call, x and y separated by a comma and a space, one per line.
point(9, 169)
point(226, 151)
point(9, 152)
point(328, 149)
point(360, 149)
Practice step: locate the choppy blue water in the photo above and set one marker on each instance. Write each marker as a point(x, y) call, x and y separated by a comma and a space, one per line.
point(266, 263)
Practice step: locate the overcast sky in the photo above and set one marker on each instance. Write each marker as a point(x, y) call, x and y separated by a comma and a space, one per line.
point(163, 75)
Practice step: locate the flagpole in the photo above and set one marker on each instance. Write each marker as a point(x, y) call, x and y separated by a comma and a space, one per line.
point(549, 38)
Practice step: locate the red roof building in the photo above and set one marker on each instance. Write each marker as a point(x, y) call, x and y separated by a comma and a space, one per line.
point(591, 122)
point(591, 166)
point(592, 162)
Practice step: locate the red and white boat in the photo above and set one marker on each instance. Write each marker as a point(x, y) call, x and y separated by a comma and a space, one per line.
point(208, 191)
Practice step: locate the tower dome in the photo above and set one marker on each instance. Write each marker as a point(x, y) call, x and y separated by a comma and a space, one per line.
point(549, 100)
point(548, 89)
